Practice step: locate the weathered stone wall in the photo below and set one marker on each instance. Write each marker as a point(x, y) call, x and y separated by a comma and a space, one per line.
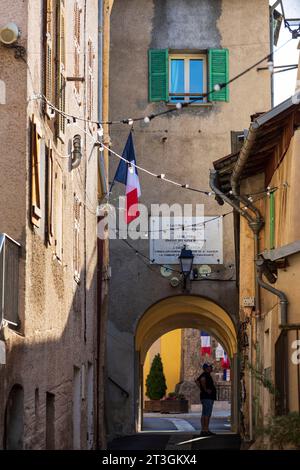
point(58, 315)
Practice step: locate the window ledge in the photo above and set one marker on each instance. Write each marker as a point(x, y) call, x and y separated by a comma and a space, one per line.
point(194, 105)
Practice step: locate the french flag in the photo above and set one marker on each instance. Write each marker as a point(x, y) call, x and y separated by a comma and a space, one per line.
point(127, 174)
point(225, 361)
point(205, 343)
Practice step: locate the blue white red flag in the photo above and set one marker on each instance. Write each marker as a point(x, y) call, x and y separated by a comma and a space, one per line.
point(205, 343)
point(225, 361)
point(127, 174)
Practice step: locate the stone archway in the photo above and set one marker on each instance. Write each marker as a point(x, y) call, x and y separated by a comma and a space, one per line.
point(185, 311)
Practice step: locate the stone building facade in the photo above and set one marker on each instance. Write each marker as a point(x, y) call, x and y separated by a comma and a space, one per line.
point(182, 145)
point(49, 373)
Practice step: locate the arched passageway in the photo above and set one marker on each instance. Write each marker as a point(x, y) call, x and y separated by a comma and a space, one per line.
point(185, 311)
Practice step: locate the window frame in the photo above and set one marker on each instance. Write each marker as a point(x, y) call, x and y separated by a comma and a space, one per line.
point(187, 57)
point(76, 240)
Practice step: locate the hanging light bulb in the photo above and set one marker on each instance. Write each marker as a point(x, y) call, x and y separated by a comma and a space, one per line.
point(146, 120)
point(100, 131)
point(161, 176)
point(131, 169)
point(178, 105)
point(101, 148)
point(185, 185)
point(130, 122)
point(217, 87)
point(250, 199)
point(271, 66)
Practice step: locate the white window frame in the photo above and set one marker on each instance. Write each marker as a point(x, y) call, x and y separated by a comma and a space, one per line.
point(187, 58)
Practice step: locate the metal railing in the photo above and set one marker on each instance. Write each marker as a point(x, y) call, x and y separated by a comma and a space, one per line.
point(9, 280)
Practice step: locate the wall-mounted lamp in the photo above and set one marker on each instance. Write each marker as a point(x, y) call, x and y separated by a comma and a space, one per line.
point(76, 152)
point(186, 259)
point(9, 35)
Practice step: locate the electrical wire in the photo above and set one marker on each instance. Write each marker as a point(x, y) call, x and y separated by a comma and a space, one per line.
point(130, 121)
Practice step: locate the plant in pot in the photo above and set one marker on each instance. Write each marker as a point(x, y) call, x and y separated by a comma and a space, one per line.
point(175, 403)
point(155, 385)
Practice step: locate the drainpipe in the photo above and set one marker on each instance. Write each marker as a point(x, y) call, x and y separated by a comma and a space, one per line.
point(281, 295)
point(255, 223)
point(283, 318)
point(213, 184)
point(243, 157)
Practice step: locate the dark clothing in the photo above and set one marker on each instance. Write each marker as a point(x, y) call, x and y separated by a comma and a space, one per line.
point(209, 386)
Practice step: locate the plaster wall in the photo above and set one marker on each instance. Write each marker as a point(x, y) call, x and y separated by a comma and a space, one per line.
point(58, 315)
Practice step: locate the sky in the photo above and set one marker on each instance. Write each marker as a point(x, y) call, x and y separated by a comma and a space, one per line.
point(285, 82)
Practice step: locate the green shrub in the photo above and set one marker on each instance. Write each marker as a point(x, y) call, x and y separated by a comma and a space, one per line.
point(156, 383)
point(283, 431)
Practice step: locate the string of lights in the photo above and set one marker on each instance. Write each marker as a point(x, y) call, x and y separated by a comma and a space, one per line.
point(129, 121)
point(162, 176)
point(186, 186)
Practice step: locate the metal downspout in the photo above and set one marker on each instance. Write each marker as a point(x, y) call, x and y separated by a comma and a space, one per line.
point(218, 192)
point(243, 157)
point(281, 295)
point(283, 319)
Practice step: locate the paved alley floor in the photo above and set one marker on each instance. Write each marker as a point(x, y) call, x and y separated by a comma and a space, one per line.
point(176, 441)
point(179, 432)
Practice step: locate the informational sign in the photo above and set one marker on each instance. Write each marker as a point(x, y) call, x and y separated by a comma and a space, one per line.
point(202, 235)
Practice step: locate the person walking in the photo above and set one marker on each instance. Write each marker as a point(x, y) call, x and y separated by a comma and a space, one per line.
point(208, 395)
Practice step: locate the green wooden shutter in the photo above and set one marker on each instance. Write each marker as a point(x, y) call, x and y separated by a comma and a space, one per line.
point(158, 75)
point(218, 73)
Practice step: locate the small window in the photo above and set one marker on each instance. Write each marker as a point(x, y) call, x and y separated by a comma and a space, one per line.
point(179, 78)
point(187, 78)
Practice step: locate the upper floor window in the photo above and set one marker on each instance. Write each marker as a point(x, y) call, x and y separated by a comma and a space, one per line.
point(184, 77)
point(55, 61)
point(77, 43)
point(187, 78)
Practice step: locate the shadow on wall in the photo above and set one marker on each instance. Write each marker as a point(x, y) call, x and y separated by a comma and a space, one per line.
point(41, 409)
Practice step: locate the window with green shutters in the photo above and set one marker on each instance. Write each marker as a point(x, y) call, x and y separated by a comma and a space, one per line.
point(161, 82)
point(218, 62)
point(158, 75)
